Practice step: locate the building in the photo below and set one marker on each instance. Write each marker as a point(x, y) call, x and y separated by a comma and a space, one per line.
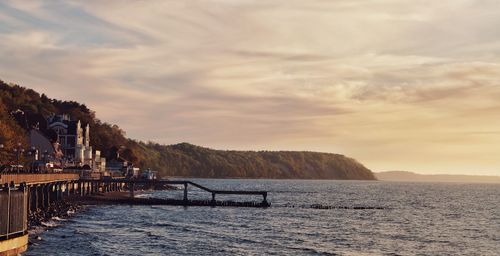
point(60, 142)
point(41, 142)
point(44, 150)
point(73, 138)
point(117, 166)
point(99, 162)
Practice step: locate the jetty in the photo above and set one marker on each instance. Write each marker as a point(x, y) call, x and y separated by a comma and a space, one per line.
point(132, 184)
point(23, 194)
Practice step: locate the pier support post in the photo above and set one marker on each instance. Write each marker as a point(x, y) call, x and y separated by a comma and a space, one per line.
point(34, 195)
point(213, 198)
point(264, 202)
point(59, 191)
point(131, 188)
point(185, 193)
point(53, 192)
point(30, 199)
point(46, 196)
point(39, 196)
point(66, 185)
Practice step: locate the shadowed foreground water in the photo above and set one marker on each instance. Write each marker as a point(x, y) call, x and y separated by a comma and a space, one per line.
point(415, 218)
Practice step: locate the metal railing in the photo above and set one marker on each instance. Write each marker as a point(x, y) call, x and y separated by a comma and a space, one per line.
point(13, 211)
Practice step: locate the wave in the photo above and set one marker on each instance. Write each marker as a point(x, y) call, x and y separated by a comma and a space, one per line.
point(50, 224)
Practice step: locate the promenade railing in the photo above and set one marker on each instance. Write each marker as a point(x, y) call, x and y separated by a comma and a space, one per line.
point(13, 211)
point(37, 178)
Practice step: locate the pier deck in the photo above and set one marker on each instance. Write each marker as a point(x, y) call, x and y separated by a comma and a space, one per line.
point(131, 184)
point(45, 188)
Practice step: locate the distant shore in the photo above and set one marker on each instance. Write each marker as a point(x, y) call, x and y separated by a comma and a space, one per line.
point(404, 176)
point(262, 178)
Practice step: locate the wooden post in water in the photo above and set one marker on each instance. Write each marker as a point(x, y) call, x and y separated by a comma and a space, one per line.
point(185, 193)
point(131, 188)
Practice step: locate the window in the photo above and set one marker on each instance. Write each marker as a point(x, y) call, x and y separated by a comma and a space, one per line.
point(62, 140)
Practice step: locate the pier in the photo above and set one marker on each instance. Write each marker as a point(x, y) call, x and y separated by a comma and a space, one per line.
point(132, 184)
point(43, 189)
point(23, 194)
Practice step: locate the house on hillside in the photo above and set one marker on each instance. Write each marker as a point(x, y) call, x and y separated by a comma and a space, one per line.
point(60, 141)
point(73, 137)
point(117, 166)
point(45, 150)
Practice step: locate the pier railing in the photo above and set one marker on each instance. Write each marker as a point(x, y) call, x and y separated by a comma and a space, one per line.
point(13, 212)
point(37, 178)
point(131, 185)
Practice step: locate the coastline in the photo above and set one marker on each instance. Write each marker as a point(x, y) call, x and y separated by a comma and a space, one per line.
point(51, 217)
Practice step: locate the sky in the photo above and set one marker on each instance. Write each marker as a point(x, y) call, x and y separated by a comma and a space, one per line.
point(395, 84)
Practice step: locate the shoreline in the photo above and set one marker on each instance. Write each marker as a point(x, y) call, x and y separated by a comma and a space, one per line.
point(42, 220)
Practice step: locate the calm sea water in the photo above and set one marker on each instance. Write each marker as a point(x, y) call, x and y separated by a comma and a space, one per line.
point(416, 219)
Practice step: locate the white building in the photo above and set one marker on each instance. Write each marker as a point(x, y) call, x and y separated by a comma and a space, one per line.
point(74, 140)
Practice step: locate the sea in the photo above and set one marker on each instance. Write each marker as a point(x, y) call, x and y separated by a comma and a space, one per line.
point(355, 218)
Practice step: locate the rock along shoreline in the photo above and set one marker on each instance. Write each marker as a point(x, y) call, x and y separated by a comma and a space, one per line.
point(50, 217)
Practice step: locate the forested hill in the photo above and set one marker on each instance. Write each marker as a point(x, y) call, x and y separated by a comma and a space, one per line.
point(193, 161)
point(171, 160)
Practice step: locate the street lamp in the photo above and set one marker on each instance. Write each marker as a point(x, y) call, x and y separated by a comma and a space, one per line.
point(1, 147)
point(46, 159)
point(33, 152)
point(19, 151)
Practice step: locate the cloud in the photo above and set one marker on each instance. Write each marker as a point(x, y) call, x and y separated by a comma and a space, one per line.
point(396, 84)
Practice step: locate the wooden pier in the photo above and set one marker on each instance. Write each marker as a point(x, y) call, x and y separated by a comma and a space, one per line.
point(132, 184)
point(43, 189)
point(23, 194)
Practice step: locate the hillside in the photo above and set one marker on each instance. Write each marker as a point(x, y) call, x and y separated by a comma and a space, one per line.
point(172, 160)
point(415, 177)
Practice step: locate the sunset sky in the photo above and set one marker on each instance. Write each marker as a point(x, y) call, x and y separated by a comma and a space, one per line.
point(398, 85)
